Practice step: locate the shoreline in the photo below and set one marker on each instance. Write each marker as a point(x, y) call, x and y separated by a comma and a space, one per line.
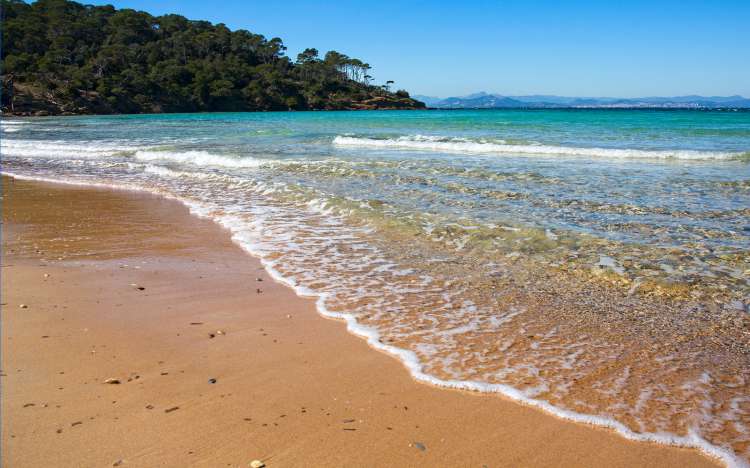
point(32, 115)
point(478, 401)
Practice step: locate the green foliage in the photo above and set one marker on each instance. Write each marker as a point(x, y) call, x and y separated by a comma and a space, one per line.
point(61, 56)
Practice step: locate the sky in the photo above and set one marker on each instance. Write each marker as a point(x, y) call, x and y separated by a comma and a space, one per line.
point(614, 48)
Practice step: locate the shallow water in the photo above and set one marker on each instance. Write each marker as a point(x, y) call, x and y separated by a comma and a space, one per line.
point(595, 263)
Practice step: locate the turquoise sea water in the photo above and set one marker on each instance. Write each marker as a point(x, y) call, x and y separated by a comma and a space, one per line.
point(592, 262)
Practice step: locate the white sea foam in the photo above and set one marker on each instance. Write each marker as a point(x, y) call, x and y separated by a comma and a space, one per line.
point(462, 145)
point(12, 125)
point(170, 173)
point(61, 149)
point(198, 158)
point(246, 233)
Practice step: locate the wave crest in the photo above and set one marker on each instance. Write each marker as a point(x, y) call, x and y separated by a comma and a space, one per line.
point(197, 158)
point(464, 145)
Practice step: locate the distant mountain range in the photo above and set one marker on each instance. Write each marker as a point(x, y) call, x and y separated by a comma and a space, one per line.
point(484, 100)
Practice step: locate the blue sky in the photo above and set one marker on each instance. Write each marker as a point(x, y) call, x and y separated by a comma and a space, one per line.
point(575, 48)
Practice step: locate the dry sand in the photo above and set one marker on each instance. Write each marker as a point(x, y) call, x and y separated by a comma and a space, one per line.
point(291, 388)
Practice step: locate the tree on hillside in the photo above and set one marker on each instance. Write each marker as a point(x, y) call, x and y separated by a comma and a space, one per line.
point(62, 56)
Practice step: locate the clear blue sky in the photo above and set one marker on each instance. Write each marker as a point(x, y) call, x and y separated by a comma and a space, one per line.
point(583, 48)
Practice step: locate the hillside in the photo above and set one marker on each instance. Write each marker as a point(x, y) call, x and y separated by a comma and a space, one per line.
point(62, 57)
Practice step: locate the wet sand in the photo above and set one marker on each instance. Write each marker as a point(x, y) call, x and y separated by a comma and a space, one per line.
point(128, 286)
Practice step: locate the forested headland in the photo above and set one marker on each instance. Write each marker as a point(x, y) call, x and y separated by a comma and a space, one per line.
point(63, 57)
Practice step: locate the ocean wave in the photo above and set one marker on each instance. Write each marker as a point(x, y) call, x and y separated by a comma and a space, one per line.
point(464, 145)
point(90, 150)
point(11, 125)
point(62, 149)
point(197, 158)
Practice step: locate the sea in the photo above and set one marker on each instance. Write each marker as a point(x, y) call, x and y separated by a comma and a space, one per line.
point(594, 264)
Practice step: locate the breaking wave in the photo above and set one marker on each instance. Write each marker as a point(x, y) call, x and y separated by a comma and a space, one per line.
point(465, 145)
point(197, 158)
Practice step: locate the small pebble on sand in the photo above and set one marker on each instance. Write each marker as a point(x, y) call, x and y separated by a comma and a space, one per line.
point(257, 464)
point(23, 306)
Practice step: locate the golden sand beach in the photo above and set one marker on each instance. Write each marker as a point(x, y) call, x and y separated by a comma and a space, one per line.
point(212, 363)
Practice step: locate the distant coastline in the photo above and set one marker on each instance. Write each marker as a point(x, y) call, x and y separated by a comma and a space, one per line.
point(484, 100)
point(621, 108)
point(5, 114)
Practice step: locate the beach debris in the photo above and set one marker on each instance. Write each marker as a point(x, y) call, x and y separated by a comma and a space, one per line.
point(77, 423)
point(257, 464)
point(23, 306)
point(112, 381)
point(46, 275)
point(420, 446)
point(211, 335)
point(29, 404)
point(212, 381)
point(196, 323)
point(258, 291)
point(347, 421)
point(118, 463)
point(259, 279)
point(221, 332)
point(135, 285)
point(169, 410)
point(149, 407)
point(288, 316)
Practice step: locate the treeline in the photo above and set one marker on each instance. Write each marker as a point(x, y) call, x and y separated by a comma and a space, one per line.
point(62, 57)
